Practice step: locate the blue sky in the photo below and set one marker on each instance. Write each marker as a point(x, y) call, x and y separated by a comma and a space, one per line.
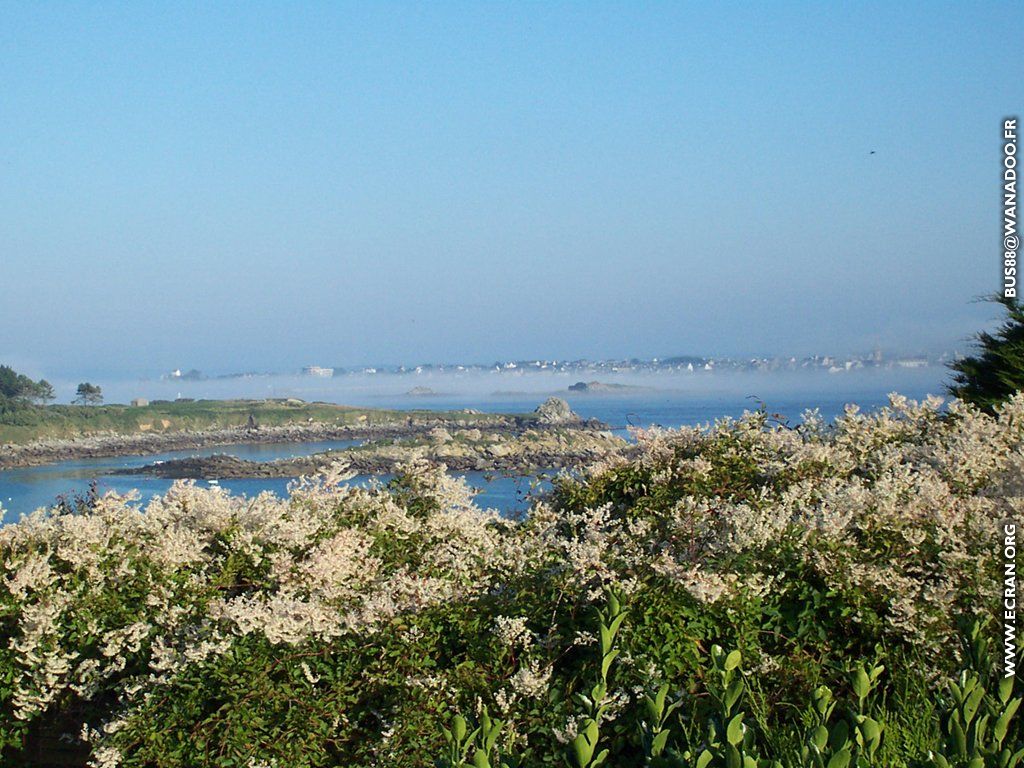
point(238, 186)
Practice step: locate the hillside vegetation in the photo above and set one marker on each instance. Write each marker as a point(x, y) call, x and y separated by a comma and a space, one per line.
point(33, 423)
point(747, 595)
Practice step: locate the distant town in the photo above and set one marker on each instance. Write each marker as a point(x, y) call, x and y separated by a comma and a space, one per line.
point(679, 363)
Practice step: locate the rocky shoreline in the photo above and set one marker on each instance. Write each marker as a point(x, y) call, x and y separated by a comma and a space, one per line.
point(541, 447)
point(551, 413)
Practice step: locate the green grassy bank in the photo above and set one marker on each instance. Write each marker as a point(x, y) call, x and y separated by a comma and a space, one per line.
point(29, 424)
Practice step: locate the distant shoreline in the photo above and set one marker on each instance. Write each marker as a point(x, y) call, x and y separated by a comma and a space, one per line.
point(364, 424)
point(111, 446)
point(352, 424)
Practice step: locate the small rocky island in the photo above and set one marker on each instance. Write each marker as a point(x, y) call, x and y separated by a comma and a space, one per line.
point(552, 437)
point(422, 392)
point(592, 387)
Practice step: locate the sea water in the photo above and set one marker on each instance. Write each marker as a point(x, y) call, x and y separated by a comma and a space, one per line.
point(650, 403)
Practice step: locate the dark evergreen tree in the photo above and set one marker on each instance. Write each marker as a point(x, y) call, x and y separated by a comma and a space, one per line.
point(88, 394)
point(44, 392)
point(997, 370)
point(19, 391)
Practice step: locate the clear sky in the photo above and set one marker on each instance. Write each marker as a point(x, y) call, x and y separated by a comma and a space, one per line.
point(263, 186)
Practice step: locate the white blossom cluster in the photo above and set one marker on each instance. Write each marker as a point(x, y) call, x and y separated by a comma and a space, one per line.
point(901, 504)
point(127, 596)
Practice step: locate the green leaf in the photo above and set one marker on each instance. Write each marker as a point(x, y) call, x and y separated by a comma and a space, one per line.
point(822, 698)
point(653, 711)
point(659, 742)
point(959, 738)
point(733, 693)
point(1005, 689)
point(613, 603)
point(606, 662)
point(734, 731)
point(872, 731)
point(459, 727)
point(839, 736)
point(1002, 724)
point(617, 622)
point(861, 683)
point(972, 703)
point(659, 699)
point(819, 737)
point(733, 660)
point(606, 639)
point(840, 759)
point(582, 750)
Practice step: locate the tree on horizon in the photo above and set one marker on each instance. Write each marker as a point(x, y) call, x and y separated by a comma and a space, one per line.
point(88, 394)
point(44, 392)
point(18, 391)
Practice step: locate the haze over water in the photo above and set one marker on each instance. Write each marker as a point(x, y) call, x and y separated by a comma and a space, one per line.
point(499, 391)
point(668, 400)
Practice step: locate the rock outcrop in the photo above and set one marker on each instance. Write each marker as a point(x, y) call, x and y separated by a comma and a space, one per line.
point(537, 448)
point(555, 410)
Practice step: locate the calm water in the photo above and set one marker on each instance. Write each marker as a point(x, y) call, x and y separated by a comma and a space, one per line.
point(23, 490)
point(26, 489)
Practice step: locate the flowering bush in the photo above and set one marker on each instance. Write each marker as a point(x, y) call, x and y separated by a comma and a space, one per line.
point(340, 625)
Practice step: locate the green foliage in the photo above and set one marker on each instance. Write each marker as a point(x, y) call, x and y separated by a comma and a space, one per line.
point(997, 370)
point(849, 741)
point(582, 752)
point(767, 574)
point(18, 392)
point(26, 424)
point(977, 720)
point(88, 394)
point(655, 730)
point(480, 743)
point(729, 740)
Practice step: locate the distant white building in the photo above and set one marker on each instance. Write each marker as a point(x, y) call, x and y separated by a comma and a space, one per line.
point(140, 402)
point(316, 370)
